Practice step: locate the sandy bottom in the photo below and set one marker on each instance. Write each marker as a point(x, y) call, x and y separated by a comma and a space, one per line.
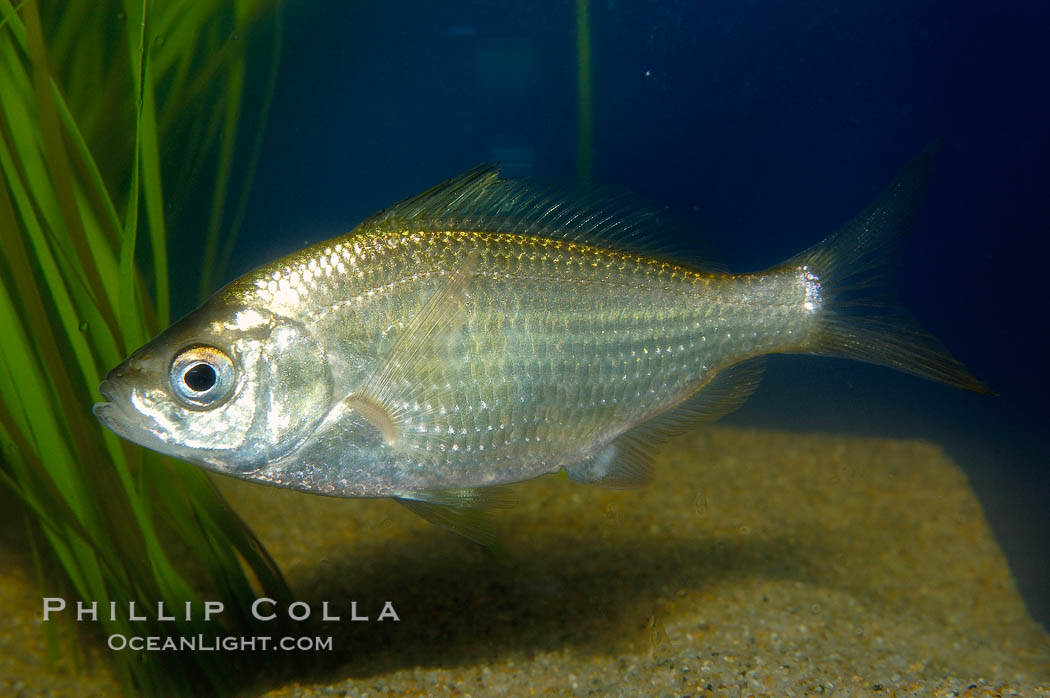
point(759, 563)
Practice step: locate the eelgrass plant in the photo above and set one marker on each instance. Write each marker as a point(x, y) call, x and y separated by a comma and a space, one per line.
point(89, 92)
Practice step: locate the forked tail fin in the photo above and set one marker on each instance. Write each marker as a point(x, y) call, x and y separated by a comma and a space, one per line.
point(860, 318)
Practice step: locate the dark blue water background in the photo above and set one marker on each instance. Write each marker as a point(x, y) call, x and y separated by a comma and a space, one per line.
point(762, 126)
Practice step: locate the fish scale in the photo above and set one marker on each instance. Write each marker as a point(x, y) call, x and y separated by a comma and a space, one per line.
point(484, 333)
point(548, 332)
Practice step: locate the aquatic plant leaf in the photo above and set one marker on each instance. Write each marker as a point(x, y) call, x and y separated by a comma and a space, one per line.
point(72, 300)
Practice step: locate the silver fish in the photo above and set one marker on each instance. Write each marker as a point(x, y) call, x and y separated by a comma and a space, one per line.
point(482, 334)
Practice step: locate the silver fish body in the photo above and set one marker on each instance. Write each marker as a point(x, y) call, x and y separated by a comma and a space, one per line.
point(478, 335)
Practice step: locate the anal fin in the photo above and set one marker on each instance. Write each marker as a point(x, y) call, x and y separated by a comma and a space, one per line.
point(622, 465)
point(627, 462)
point(725, 392)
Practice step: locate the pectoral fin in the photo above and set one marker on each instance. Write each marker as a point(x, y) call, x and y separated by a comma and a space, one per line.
point(406, 386)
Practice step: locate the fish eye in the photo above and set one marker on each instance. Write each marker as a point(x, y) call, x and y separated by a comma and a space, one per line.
point(202, 376)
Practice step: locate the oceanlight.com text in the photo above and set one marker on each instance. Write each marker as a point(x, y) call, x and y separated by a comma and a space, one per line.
point(229, 643)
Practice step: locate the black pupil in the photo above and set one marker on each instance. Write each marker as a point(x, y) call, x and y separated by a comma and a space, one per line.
point(200, 378)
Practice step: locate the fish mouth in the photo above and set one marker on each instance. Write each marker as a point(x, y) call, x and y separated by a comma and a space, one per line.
point(104, 410)
point(109, 412)
point(107, 389)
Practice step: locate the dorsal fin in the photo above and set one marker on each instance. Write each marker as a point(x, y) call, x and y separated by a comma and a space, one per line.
point(456, 196)
point(480, 200)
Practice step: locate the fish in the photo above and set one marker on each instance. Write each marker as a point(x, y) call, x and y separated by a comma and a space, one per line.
point(487, 332)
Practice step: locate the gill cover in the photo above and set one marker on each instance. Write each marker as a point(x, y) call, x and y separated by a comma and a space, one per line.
point(229, 394)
